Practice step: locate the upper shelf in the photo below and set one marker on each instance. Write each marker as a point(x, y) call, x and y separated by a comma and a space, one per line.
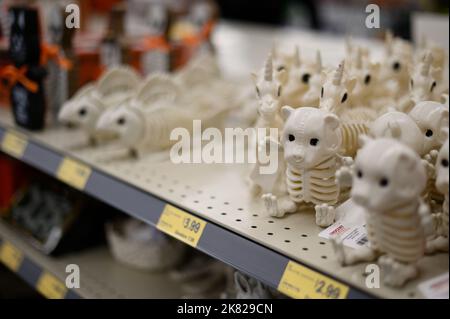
point(236, 230)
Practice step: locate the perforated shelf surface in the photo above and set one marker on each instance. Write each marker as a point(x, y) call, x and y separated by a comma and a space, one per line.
point(219, 194)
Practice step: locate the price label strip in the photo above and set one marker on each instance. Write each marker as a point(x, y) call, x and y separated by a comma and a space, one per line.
point(181, 225)
point(51, 287)
point(11, 256)
point(302, 283)
point(14, 144)
point(74, 173)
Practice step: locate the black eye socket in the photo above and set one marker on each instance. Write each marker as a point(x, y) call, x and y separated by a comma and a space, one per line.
point(429, 133)
point(82, 112)
point(359, 173)
point(313, 141)
point(412, 82)
point(279, 91)
point(433, 86)
point(444, 162)
point(344, 97)
point(321, 92)
point(281, 68)
point(396, 66)
point(291, 138)
point(367, 79)
point(305, 78)
point(257, 91)
point(384, 182)
point(121, 121)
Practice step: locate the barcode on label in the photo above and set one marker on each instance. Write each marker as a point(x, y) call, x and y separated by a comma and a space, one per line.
point(362, 241)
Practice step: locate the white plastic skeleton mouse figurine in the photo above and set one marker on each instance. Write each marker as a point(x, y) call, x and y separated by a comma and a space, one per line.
point(85, 108)
point(144, 123)
point(311, 141)
point(440, 243)
point(388, 180)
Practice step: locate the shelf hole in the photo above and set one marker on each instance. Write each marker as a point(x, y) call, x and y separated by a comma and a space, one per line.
point(196, 201)
point(226, 203)
point(304, 235)
point(213, 197)
point(322, 243)
point(270, 234)
point(287, 241)
point(270, 221)
point(255, 215)
point(238, 220)
point(209, 207)
point(253, 226)
point(305, 248)
point(240, 209)
point(287, 228)
point(223, 214)
point(323, 257)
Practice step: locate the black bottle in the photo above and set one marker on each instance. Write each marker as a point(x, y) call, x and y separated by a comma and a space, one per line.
point(24, 40)
point(28, 107)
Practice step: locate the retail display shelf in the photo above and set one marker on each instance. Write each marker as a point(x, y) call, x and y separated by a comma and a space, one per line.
point(285, 253)
point(100, 276)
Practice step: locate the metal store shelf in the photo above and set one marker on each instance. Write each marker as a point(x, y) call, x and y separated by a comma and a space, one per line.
point(100, 275)
point(237, 232)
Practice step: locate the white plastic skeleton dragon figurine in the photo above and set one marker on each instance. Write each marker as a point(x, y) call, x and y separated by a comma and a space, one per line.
point(388, 179)
point(440, 243)
point(114, 88)
point(311, 140)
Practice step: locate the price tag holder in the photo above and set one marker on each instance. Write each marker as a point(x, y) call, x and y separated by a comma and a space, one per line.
point(14, 144)
point(11, 256)
point(73, 173)
point(181, 225)
point(51, 287)
point(302, 283)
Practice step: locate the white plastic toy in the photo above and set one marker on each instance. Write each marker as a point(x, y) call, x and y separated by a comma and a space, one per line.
point(268, 91)
point(399, 126)
point(334, 97)
point(432, 119)
point(311, 141)
point(146, 121)
point(114, 88)
point(440, 243)
point(388, 180)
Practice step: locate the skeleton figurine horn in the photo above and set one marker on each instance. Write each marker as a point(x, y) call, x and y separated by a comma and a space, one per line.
point(338, 74)
point(268, 69)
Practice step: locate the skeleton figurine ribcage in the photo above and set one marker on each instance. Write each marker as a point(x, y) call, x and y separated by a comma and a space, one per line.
point(398, 233)
point(315, 185)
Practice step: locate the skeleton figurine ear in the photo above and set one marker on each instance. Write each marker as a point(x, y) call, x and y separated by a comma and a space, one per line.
point(364, 139)
point(333, 138)
point(286, 111)
point(394, 128)
point(351, 84)
point(407, 162)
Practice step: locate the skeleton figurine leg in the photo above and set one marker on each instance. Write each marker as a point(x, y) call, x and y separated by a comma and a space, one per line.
point(349, 257)
point(438, 244)
point(325, 215)
point(395, 273)
point(278, 207)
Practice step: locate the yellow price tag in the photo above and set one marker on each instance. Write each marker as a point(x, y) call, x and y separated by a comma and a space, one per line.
point(11, 256)
point(51, 287)
point(14, 144)
point(73, 173)
point(302, 283)
point(181, 225)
